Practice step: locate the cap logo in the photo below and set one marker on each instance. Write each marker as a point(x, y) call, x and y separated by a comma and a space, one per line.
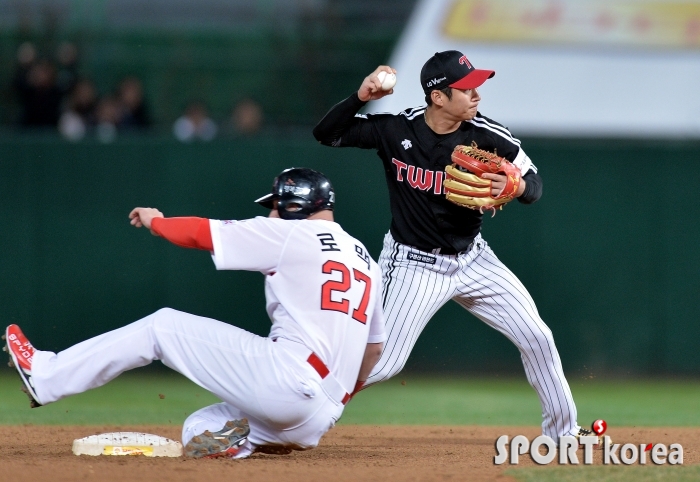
point(463, 60)
point(435, 81)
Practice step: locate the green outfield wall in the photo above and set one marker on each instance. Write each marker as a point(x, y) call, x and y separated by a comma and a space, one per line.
point(610, 253)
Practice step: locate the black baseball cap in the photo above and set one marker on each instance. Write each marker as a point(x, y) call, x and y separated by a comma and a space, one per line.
point(451, 68)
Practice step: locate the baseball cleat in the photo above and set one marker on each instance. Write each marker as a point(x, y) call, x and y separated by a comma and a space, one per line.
point(582, 432)
point(21, 353)
point(224, 443)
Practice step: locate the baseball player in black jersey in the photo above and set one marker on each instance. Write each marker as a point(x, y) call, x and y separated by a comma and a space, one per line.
point(434, 251)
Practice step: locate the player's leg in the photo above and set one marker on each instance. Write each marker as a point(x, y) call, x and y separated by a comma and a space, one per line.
point(182, 341)
point(415, 286)
point(263, 437)
point(492, 293)
point(237, 366)
point(278, 391)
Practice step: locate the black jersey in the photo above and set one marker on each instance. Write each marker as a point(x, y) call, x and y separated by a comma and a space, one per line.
point(414, 159)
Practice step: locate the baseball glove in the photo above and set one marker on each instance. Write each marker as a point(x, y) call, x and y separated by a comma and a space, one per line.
point(464, 186)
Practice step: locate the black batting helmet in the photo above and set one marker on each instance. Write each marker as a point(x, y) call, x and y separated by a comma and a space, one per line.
point(299, 193)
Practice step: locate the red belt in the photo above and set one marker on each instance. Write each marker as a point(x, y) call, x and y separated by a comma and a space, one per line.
point(331, 386)
point(323, 370)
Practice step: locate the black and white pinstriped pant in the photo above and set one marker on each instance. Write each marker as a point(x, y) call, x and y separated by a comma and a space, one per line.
point(414, 290)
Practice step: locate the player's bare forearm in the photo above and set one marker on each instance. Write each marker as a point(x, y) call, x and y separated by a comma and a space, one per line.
point(142, 217)
point(372, 353)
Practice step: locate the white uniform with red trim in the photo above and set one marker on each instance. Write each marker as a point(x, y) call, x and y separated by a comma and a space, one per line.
point(323, 294)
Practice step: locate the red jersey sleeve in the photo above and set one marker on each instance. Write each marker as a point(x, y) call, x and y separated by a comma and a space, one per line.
point(189, 232)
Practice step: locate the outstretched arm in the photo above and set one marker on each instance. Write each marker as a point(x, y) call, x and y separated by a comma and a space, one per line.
point(341, 118)
point(372, 353)
point(187, 232)
point(337, 121)
point(143, 217)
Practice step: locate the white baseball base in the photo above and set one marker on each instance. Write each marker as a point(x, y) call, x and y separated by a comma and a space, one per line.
point(127, 443)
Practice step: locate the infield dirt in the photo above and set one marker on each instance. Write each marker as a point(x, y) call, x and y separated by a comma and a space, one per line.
point(346, 453)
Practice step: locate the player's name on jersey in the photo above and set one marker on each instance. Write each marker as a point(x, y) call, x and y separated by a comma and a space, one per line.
point(423, 258)
point(615, 454)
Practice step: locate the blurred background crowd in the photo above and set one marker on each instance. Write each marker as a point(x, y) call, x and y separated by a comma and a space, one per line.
point(53, 94)
point(220, 69)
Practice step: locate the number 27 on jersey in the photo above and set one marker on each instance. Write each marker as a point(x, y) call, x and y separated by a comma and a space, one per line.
point(342, 286)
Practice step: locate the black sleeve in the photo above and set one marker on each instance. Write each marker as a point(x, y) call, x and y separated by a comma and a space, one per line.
point(533, 188)
point(341, 128)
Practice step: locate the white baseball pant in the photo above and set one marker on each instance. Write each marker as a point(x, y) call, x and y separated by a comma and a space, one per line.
point(267, 382)
point(476, 279)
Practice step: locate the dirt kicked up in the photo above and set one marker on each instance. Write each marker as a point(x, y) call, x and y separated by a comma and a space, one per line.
point(346, 453)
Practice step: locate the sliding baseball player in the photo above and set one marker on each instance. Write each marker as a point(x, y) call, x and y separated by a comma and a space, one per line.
point(281, 392)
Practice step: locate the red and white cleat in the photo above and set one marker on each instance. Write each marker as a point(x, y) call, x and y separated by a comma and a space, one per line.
point(224, 443)
point(21, 354)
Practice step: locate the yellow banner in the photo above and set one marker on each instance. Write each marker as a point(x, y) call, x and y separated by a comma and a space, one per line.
point(667, 24)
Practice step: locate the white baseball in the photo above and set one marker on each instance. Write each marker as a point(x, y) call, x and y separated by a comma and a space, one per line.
point(388, 80)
